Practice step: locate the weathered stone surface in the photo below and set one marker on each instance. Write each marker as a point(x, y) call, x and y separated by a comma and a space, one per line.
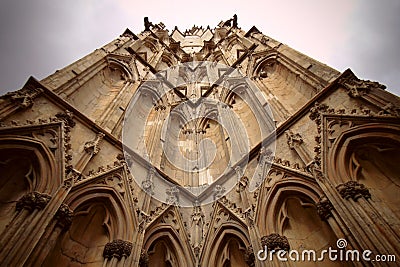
point(336, 137)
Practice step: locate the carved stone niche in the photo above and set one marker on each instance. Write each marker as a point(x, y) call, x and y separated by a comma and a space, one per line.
point(275, 242)
point(353, 190)
point(266, 68)
point(118, 249)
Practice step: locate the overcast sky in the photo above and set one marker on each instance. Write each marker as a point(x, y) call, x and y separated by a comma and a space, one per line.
point(41, 36)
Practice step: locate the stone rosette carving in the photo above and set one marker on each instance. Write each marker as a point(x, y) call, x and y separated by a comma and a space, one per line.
point(64, 216)
point(353, 190)
point(32, 201)
point(275, 242)
point(324, 208)
point(118, 249)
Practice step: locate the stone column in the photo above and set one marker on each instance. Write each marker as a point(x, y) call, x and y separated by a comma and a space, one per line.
point(358, 200)
point(29, 209)
point(61, 223)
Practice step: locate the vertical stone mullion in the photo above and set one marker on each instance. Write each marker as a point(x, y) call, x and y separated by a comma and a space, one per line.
point(346, 215)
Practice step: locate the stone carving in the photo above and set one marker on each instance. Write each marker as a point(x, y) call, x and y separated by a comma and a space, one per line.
point(147, 24)
point(242, 183)
point(353, 190)
point(143, 219)
point(93, 146)
point(173, 195)
point(357, 88)
point(64, 216)
point(197, 227)
point(316, 111)
point(219, 191)
point(293, 140)
point(148, 185)
point(33, 200)
point(390, 109)
point(249, 257)
point(144, 259)
point(275, 242)
point(66, 117)
point(24, 97)
point(265, 154)
point(324, 207)
point(118, 249)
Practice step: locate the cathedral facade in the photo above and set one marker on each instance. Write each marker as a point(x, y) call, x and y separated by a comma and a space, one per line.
point(204, 147)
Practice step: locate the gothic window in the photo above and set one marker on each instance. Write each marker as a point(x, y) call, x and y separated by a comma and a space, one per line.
point(17, 176)
point(85, 240)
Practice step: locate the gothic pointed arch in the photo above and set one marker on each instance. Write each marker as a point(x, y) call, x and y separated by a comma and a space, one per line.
point(227, 247)
point(26, 165)
point(292, 213)
point(100, 217)
point(265, 66)
point(367, 154)
point(227, 239)
point(165, 241)
point(122, 66)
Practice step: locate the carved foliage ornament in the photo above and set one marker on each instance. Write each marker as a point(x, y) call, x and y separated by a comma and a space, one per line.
point(275, 242)
point(144, 259)
point(324, 207)
point(316, 111)
point(33, 200)
point(249, 257)
point(64, 216)
point(118, 249)
point(66, 117)
point(353, 190)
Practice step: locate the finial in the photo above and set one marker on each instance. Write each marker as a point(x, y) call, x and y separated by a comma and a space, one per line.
point(147, 24)
point(235, 21)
